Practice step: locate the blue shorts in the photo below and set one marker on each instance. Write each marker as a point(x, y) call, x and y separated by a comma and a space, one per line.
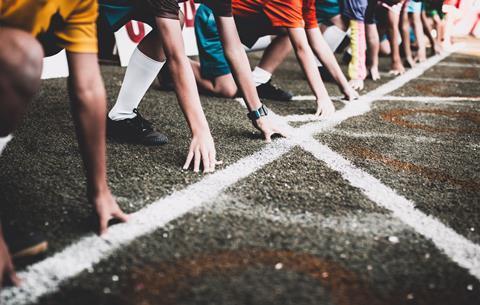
point(326, 10)
point(119, 12)
point(414, 7)
point(210, 49)
point(360, 10)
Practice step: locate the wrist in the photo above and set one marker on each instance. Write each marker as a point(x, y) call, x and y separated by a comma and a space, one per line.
point(97, 190)
point(258, 113)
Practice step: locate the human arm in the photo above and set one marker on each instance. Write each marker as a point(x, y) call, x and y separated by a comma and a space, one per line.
point(304, 54)
point(322, 51)
point(202, 147)
point(88, 100)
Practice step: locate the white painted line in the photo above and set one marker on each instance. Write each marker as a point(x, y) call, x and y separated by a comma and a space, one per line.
point(458, 64)
point(46, 276)
point(450, 80)
point(408, 138)
point(459, 249)
point(356, 223)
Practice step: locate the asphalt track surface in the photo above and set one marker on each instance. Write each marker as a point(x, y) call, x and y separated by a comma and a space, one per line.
point(378, 205)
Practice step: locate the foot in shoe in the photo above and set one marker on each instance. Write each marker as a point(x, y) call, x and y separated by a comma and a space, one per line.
point(135, 130)
point(24, 244)
point(271, 92)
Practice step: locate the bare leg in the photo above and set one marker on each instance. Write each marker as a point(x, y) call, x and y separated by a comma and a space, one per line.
point(420, 36)
point(223, 85)
point(20, 70)
point(405, 28)
point(276, 53)
point(373, 48)
point(393, 36)
point(427, 28)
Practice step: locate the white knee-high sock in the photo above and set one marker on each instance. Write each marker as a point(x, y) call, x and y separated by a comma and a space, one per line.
point(141, 72)
point(4, 141)
point(260, 76)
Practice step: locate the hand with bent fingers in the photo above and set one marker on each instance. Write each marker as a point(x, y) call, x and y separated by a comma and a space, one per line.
point(325, 109)
point(107, 209)
point(268, 128)
point(350, 94)
point(6, 265)
point(397, 69)
point(357, 84)
point(202, 150)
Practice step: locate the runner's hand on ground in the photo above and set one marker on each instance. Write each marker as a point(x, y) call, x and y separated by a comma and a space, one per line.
point(325, 108)
point(202, 150)
point(397, 69)
point(107, 209)
point(6, 266)
point(269, 128)
point(350, 94)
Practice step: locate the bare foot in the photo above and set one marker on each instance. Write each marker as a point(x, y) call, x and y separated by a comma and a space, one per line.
point(374, 74)
point(356, 84)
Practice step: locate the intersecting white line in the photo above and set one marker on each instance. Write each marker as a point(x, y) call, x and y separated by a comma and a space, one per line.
point(46, 276)
point(458, 64)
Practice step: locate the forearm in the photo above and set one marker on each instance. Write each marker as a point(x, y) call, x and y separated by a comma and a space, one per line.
point(326, 56)
point(238, 60)
point(307, 62)
point(89, 113)
point(187, 93)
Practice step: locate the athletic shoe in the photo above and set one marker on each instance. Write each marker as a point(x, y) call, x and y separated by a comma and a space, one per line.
point(22, 245)
point(271, 92)
point(135, 130)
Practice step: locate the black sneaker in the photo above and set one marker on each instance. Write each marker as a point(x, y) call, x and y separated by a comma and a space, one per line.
point(271, 92)
point(22, 245)
point(135, 130)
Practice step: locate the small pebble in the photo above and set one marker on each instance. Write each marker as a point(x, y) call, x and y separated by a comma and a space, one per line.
point(106, 290)
point(278, 266)
point(410, 296)
point(393, 239)
point(369, 268)
point(470, 287)
point(115, 278)
point(324, 275)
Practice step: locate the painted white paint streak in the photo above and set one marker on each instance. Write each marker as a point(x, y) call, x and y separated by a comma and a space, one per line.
point(459, 249)
point(450, 80)
point(458, 64)
point(44, 277)
point(407, 138)
point(355, 223)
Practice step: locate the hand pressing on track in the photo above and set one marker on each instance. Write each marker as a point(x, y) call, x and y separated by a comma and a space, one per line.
point(357, 84)
point(6, 266)
point(202, 151)
point(397, 69)
point(350, 94)
point(374, 74)
point(107, 210)
point(325, 109)
point(268, 128)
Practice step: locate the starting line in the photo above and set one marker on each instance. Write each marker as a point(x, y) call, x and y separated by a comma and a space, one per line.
point(46, 276)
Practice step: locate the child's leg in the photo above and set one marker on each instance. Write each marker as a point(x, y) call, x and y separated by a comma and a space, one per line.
point(357, 70)
point(394, 38)
point(405, 30)
point(373, 48)
point(419, 35)
point(427, 28)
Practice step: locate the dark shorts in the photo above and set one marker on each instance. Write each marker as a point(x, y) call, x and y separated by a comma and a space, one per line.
point(360, 10)
point(219, 7)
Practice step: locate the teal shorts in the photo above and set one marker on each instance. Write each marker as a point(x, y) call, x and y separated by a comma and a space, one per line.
point(414, 7)
point(213, 62)
point(326, 10)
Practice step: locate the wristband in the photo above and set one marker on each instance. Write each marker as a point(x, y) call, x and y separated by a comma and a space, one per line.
point(258, 113)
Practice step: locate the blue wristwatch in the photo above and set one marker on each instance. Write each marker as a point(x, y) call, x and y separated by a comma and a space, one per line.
point(258, 113)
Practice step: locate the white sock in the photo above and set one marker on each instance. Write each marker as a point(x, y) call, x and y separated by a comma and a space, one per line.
point(4, 141)
point(260, 76)
point(141, 73)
